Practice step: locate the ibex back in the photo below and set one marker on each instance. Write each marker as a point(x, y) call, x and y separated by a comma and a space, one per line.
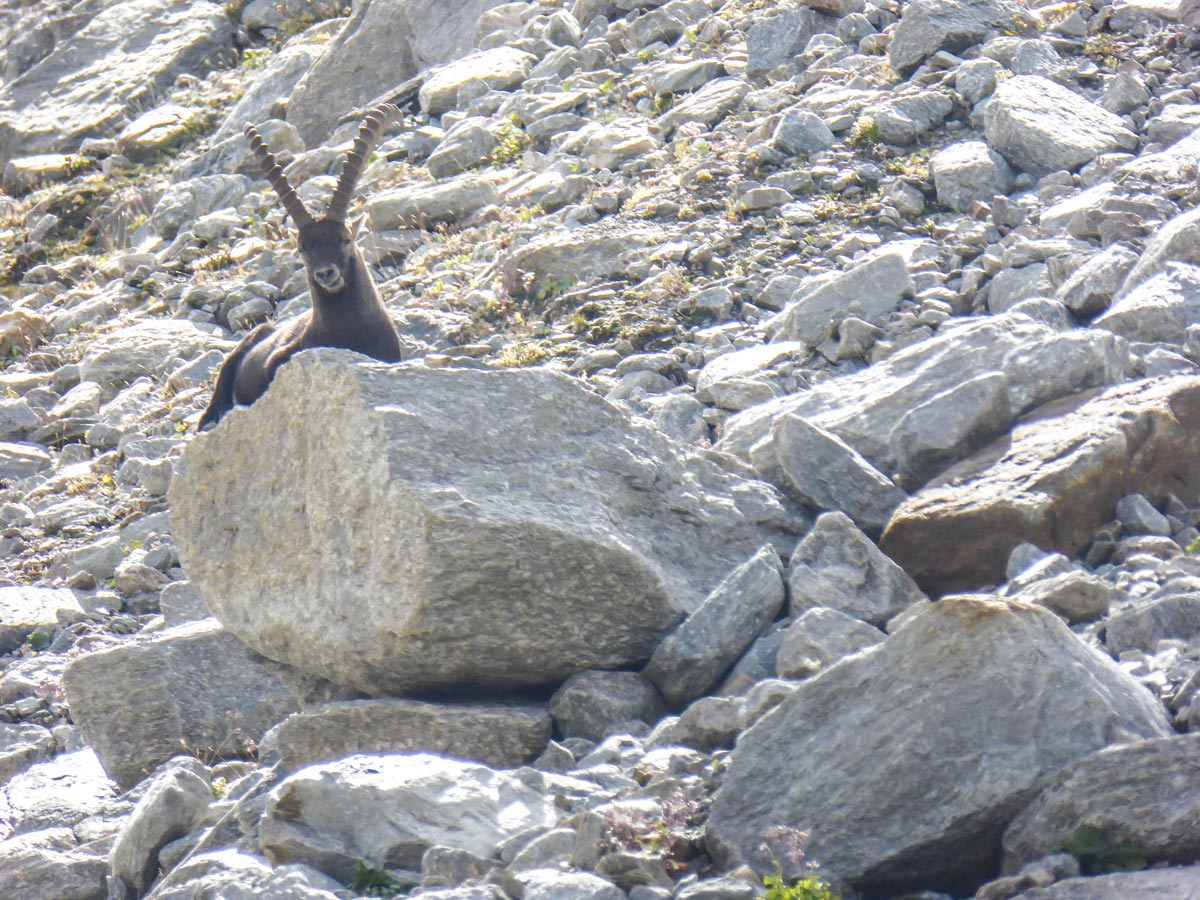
point(346, 309)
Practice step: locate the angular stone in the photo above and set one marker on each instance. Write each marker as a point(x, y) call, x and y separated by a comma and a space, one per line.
point(1052, 482)
point(150, 347)
point(503, 735)
point(1090, 288)
point(19, 461)
point(488, 576)
point(1042, 127)
point(388, 810)
point(384, 43)
point(929, 26)
point(1152, 884)
point(1061, 363)
point(466, 145)
point(956, 767)
point(1143, 624)
point(1174, 242)
point(677, 78)
point(801, 133)
point(21, 745)
point(23, 609)
point(501, 69)
point(590, 704)
point(235, 874)
point(23, 175)
point(870, 289)
point(186, 201)
point(1076, 596)
point(837, 566)
point(1010, 286)
point(709, 105)
point(773, 40)
point(949, 427)
point(173, 803)
point(129, 53)
point(819, 638)
point(559, 260)
point(969, 171)
point(727, 371)
point(826, 473)
point(58, 792)
point(447, 201)
point(902, 119)
point(195, 687)
point(863, 408)
point(692, 658)
point(49, 865)
point(1159, 309)
point(1144, 795)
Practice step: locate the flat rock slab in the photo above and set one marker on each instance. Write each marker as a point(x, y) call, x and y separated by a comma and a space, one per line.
point(1052, 482)
point(1153, 884)
point(864, 408)
point(501, 69)
point(50, 865)
point(23, 609)
point(195, 687)
point(870, 289)
point(389, 809)
point(117, 65)
point(1042, 127)
point(145, 348)
point(949, 747)
point(503, 735)
point(557, 261)
point(446, 201)
point(486, 528)
point(1145, 794)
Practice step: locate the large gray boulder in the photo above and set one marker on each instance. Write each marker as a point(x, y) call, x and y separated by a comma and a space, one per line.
point(118, 65)
point(948, 747)
point(1042, 127)
point(194, 688)
point(494, 528)
point(386, 42)
point(388, 810)
point(928, 26)
point(1144, 795)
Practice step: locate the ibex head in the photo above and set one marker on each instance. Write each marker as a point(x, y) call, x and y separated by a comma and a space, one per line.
point(326, 244)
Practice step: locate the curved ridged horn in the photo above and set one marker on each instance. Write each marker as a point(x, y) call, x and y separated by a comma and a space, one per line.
point(274, 173)
point(368, 133)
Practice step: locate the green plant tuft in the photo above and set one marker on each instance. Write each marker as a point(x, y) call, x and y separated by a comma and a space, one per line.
point(1097, 854)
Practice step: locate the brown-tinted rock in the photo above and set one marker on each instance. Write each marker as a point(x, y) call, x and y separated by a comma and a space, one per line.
point(1052, 482)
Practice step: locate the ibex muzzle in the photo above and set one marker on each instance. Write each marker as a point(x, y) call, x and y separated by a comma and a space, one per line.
point(346, 309)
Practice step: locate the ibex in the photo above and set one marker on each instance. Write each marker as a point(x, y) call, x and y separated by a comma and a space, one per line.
point(346, 309)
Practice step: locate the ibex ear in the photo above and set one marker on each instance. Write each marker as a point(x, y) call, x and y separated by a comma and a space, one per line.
point(356, 225)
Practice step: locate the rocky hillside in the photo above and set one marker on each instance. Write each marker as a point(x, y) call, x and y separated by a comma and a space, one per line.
point(788, 491)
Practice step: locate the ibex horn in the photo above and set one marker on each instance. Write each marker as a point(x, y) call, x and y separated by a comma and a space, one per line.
point(271, 169)
point(368, 133)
